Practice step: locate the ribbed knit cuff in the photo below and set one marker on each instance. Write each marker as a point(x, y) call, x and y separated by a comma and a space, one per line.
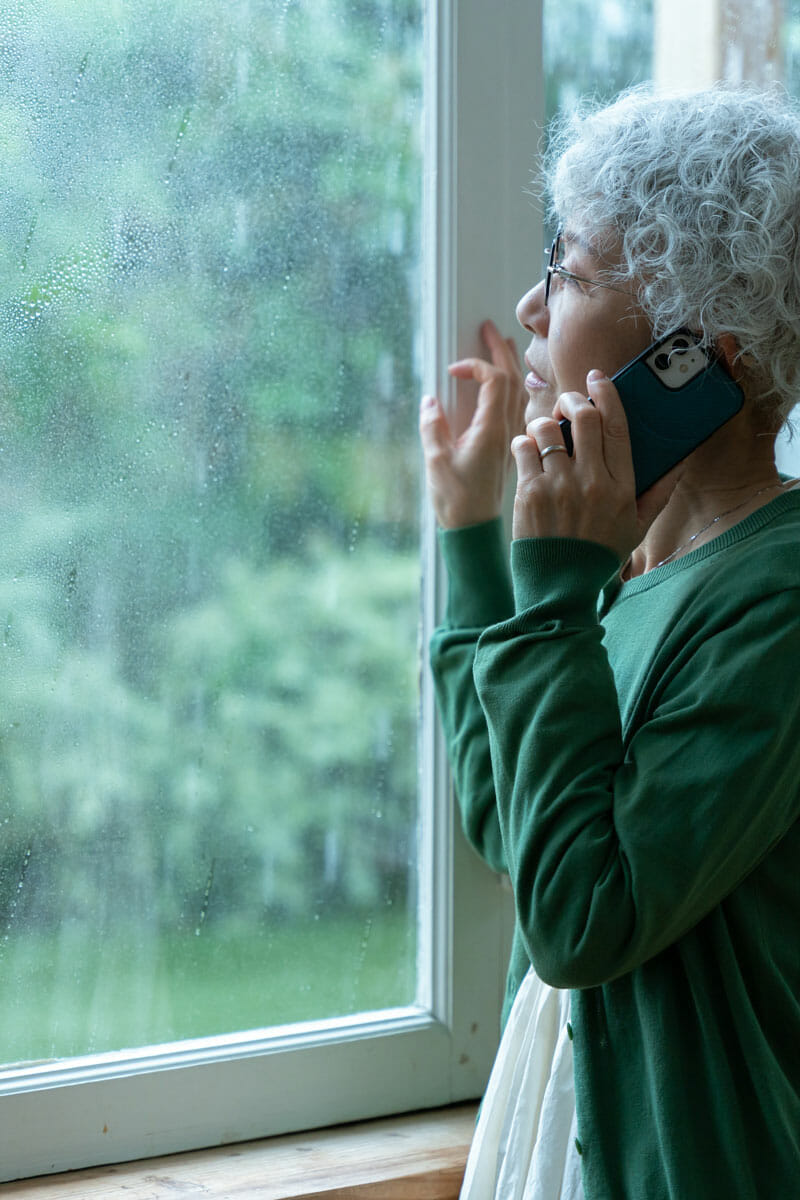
point(479, 584)
point(558, 572)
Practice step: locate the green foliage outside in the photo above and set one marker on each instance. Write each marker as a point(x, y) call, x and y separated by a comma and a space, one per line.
point(117, 992)
point(208, 570)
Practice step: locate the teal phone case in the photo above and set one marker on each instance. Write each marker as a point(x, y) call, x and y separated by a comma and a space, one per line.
point(667, 417)
point(675, 395)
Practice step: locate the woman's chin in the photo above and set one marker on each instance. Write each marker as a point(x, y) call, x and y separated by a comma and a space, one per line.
point(540, 404)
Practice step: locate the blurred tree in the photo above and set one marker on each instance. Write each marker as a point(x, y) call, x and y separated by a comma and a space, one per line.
point(208, 263)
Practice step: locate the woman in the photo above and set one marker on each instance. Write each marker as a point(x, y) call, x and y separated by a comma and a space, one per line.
point(622, 709)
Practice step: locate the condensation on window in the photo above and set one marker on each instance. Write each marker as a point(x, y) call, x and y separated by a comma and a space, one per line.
point(209, 255)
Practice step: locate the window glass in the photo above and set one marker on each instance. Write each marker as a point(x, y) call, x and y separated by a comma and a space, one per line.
point(594, 49)
point(209, 253)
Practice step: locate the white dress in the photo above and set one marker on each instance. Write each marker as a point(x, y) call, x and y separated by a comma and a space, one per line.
point(524, 1143)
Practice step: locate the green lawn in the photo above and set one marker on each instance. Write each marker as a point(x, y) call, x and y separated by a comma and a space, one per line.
point(67, 993)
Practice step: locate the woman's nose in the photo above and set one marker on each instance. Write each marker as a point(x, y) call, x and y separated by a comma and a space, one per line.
point(531, 311)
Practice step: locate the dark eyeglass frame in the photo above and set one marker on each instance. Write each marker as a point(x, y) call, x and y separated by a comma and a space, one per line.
point(554, 267)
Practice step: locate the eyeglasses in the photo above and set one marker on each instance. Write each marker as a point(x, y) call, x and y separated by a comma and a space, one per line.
point(554, 267)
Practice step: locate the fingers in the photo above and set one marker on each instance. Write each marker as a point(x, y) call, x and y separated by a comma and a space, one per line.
point(434, 431)
point(525, 453)
point(503, 356)
point(491, 409)
point(586, 426)
point(541, 508)
point(583, 495)
point(498, 410)
point(599, 428)
point(501, 373)
point(615, 439)
point(466, 472)
point(466, 450)
point(503, 351)
point(475, 368)
point(547, 436)
point(540, 450)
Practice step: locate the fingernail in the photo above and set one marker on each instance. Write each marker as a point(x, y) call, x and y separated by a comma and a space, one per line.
point(595, 376)
point(428, 401)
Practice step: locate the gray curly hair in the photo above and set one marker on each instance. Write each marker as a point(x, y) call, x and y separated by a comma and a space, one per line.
point(699, 195)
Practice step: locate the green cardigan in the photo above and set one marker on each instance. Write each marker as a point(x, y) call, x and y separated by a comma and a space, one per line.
point(630, 755)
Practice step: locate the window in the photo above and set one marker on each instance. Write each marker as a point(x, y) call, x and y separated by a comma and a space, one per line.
point(228, 908)
point(238, 238)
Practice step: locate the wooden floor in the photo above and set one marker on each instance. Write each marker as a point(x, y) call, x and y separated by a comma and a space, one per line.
point(416, 1157)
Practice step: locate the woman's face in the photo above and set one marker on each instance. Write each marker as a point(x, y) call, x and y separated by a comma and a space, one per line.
point(583, 326)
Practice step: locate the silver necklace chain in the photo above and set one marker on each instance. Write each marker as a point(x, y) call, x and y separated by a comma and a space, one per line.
point(689, 541)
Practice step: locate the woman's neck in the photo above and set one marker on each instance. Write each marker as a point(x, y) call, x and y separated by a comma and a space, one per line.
point(724, 481)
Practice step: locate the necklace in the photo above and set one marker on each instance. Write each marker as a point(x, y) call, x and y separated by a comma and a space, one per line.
point(726, 513)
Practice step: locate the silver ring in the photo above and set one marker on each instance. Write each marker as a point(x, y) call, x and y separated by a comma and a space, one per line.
point(557, 448)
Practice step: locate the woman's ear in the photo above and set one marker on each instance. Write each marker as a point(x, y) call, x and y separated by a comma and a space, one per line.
point(736, 362)
point(743, 370)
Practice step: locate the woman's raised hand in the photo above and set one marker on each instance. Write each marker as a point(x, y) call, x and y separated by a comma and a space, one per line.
point(467, 473)
point(590, 495)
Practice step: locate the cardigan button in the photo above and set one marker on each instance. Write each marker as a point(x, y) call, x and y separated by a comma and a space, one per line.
point(570, 1034)
point(578, 1146)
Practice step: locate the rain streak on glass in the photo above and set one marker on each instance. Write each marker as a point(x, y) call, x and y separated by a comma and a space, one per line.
point(209, 255)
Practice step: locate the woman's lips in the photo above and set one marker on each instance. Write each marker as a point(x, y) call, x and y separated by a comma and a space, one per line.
point(533, 381)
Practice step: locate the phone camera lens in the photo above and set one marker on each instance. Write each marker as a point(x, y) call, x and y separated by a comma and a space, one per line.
point(662, 362)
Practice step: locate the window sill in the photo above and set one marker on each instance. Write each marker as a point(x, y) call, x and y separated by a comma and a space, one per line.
point(416, 1157)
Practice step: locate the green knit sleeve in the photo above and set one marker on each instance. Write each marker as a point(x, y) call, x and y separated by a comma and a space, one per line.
point(617, 848)
point(479, 594)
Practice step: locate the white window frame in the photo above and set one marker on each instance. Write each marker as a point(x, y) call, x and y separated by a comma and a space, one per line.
point(482, 250)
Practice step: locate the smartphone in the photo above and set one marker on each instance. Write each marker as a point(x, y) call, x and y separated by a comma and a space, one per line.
point(675, 395)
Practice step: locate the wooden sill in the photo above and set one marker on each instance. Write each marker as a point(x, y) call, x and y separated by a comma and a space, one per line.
point(416, 1157)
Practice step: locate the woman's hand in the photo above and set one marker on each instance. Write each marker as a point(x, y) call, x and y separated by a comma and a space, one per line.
point(467, 474)
point(590, 495)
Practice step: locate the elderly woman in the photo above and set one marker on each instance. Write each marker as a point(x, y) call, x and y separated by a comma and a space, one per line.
point(622, 708)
